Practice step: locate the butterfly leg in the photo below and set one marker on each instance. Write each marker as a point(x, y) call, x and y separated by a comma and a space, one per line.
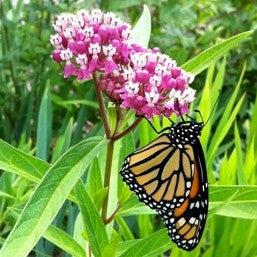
point(150, 123)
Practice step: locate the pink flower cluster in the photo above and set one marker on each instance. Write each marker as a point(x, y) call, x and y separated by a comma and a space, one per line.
point(131, 76)
point(89, 42)
point(150, 84)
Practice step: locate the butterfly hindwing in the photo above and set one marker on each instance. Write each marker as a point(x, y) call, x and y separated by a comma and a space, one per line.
point(186, 223)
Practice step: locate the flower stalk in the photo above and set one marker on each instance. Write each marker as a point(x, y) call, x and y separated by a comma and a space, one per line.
point(107, 176)
point(102, 107)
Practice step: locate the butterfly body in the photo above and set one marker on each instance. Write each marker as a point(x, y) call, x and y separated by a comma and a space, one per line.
point(169, 175)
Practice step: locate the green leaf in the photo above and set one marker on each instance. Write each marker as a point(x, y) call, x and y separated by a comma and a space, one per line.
point(209, 96)
point(44, 126)
point(244, 202)
point(253, 124)
point(134, 207)
point(111, 249)
point(49, 196)
point(124, 245)
point(153, 245)
point(79, 230)
point(115, 5)
point(124, 229)
point(94, 179)
point(221, 132)
point(212, 54)
point(64, 241)
point(4, 194)
point(93, 222)
point(142, 30)
point(239, 158)
point(99, 197)
point(63, 142)
point(58, 237)
point(22, 164)
point(66, 103)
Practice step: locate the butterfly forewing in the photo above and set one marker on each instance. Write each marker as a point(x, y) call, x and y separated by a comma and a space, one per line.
point(160, 174)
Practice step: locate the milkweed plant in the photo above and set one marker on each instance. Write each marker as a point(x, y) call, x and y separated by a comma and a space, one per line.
point(131, 81)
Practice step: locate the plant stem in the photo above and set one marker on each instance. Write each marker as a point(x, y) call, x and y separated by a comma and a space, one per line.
point(131, 127)
point(102, 107)
point(110, 147)
point(107, 176)
point(110, 219)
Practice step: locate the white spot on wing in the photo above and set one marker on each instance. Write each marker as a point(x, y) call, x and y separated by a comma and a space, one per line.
point(181, 222)
point(192, 220)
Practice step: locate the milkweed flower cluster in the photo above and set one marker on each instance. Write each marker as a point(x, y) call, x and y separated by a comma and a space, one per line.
point(87, 42)
point(150, 84)
point(144, 80)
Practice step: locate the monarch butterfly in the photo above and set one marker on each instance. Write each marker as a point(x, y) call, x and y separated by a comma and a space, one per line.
point(169, 175)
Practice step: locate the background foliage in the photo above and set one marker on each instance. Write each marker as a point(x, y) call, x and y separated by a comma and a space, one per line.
point(43, 115)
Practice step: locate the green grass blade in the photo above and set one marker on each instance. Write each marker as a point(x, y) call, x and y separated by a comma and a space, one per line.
point(226, 114)
point(250, 163)
point(208, 99)
point(221, 132)
point(63, 142)
point(240, 165)
point(205, 106)
point(49, 196)
point(253, 123)
point(93, 222)
point(225, 177)
point(44, 126)
point(214, 53)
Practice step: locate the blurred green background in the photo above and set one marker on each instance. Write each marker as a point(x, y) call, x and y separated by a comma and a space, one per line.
point(182, 29)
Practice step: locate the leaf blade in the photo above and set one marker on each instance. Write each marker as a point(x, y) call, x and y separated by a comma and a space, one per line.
point(153, 245)
point(202, 61)
point(94, 225)
point(143, 24)
point(49, 196)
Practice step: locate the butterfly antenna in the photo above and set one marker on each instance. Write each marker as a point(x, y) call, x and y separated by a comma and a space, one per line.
point(213, 108)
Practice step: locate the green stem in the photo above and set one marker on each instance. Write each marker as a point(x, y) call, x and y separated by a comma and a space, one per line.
point(107, 176)
point(102, 107)
point(130, 128)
